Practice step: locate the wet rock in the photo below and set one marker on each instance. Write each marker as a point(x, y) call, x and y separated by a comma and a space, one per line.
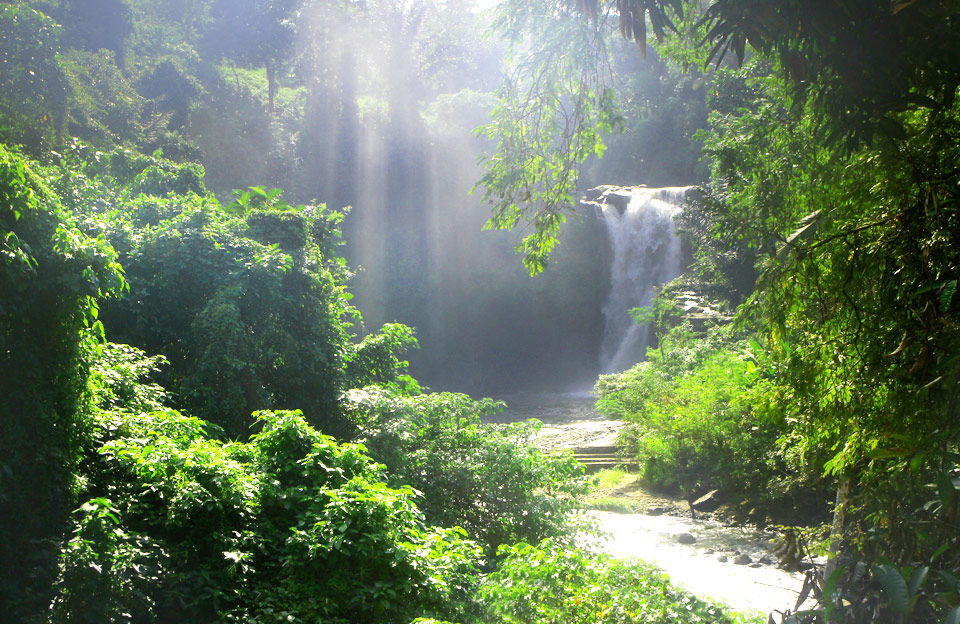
point(656, 511)
point(765, 560)
point(709, 551)
point(756, 565)
point(607, 195)
point(708, 502)
point(686, 538)
point(723, 559)
point(743, 560)
point(618, 198)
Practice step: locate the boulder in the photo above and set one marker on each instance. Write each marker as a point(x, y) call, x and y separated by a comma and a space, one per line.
point(686, 538)
point(607, 195)
point(619, 199)
point(708, 502)
point(743, 560)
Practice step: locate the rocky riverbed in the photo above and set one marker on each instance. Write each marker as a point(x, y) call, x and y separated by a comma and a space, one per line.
point(734, 565)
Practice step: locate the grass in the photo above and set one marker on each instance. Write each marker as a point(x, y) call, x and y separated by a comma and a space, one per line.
point(609, 492)
point(611, 478)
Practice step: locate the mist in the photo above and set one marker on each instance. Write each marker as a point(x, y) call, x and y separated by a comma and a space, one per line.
point(381, 121)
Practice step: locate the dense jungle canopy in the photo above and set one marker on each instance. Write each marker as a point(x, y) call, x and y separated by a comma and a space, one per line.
point(226, 224)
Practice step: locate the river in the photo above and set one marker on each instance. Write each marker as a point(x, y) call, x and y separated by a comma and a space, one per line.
point(707, 566)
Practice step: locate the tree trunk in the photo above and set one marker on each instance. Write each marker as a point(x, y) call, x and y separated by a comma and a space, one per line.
point(271, 87)
point(836, 531)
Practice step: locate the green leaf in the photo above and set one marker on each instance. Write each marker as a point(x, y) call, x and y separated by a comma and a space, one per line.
point(894, 586)
point(951, 580)
point(881, 453)
point(917, 579)
point(946, 296)
point(946, 490)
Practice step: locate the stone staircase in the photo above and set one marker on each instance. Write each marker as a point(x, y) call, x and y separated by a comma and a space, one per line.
point(596, 458)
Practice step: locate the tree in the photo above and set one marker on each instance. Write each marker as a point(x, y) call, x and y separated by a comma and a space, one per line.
point(248, 309)
point(859, 63)
point(99, 24)
point(553, 110)
point(33, 88)
point(833, 156)
point(254, 33)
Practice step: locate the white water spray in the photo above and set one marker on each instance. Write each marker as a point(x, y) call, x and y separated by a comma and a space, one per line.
point(645, 253)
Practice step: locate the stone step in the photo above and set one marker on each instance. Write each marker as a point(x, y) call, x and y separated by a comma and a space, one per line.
point(595, 450)
point(592, 467)
point(598, 458)
point(595, 458)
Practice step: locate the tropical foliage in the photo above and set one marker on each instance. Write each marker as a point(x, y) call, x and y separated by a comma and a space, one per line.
point(177, 517)
point(53, 279)
point(185, 470)
point(832, 147)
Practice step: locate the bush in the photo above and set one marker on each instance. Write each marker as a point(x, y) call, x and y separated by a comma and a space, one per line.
point(246, 325)
point(552, 584)
point(375, 360)
point(485, 478)
point(181, 527)
point(701, 418)
point(688, 428)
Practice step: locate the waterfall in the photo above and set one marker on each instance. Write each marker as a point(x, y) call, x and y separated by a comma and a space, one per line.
point(645, 253)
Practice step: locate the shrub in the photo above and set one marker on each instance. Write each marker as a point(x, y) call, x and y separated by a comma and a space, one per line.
point(485, 478)
point(553, 584)
point(246, 325)
point(291, 524)
point(702, 415)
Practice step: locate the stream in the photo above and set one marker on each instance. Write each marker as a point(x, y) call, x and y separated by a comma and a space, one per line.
point(709, 566)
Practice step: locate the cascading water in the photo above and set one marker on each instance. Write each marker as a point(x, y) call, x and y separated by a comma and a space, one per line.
point(645, 253)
